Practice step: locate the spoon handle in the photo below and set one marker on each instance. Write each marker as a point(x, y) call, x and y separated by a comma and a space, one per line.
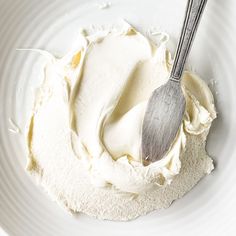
point(192, 17)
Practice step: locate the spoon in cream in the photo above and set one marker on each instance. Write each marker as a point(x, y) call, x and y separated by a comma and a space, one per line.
point(166, 105)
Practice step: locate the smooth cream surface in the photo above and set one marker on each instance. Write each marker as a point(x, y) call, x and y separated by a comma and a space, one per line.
point(85, 130)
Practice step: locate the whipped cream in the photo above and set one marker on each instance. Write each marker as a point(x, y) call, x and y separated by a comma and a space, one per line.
point(85, 130)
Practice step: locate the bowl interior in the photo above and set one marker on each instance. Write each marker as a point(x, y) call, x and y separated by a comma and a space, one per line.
point(53, 26)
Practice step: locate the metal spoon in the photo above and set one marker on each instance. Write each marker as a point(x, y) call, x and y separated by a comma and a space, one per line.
point(166, 106)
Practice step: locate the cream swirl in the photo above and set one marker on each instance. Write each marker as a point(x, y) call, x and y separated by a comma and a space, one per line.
point(103, 85)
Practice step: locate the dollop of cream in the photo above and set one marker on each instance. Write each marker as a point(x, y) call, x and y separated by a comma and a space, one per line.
point(97, 94)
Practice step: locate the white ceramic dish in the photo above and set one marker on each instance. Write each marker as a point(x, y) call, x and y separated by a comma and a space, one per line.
point(209, 209)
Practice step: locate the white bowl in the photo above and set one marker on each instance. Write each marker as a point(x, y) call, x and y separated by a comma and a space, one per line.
point(209, 209)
